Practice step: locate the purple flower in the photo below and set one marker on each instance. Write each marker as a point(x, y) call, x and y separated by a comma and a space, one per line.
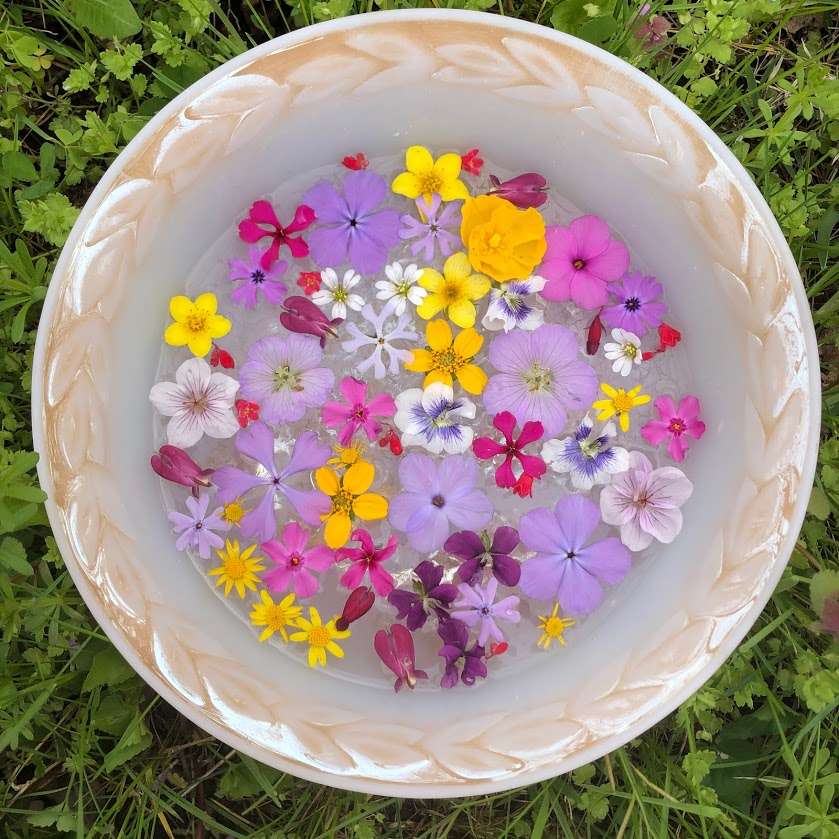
point(539, 377)
point(528, 190)
point(430, 594)
point(430, 230)
point(566, 567)
point(351, 229)
point(196, 529)
point(637, 307)
point(252, 279)
point(282, 376)
point(455, 637)
point(476, 605)
point(257, 443)
point(476, 551)
point(396, 650)
point(435, 496)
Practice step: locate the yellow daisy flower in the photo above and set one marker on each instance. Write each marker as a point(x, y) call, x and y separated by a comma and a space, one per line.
point(619, 402)
point(237, 569)
point(453, 290)
point(447, 357)
point(553, 628)
point(350, 498)
point(233, 512)
point(275, 617)
point(196, 323)
point(320, 638)
point(426, 176)
point(347, 455)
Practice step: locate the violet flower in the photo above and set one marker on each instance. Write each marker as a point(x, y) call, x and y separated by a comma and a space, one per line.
point(675, 424)
point(509, 309)
point(368, 559)
point(476, 605)
point(356, 412)
point(301, 315)
point(431, 229)
point(455, 637)
point(528, 190)
point(175, 465)
point(637, 307)
point(477, 551)
point(196, 529)
point(251, 279)
point(294, 563)
point(396, 650)
point(262, 213)
point(430, 594)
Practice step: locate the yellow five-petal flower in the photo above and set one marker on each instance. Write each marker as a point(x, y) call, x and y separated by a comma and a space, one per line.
point(553, 628)
point(320, 637)
point(237, 569)
point(454, 290)
point(196, 323)
point(275, 617)
point(446, 357)
point(619, 402)
point(426, 176)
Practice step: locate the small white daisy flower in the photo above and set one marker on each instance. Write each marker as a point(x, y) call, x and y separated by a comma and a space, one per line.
point(434, 419)
point(400, 287)
point(623, 351)
point(379, 332)
point(337, 292)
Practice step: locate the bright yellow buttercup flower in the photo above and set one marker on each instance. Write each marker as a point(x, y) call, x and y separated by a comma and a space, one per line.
point(453, 291)
point(426, 176)
point(553, 628)
point(320, 637)
point(446, 357)
point(239, 570)
point(196, 323)
point(503, 241)
point(347, 455)
point(275, 617)
point(349, 496)
point(233, 512)
point(619, 402)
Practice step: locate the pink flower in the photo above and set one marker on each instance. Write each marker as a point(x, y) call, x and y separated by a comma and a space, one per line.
point(675, 424)
point(262, 213)
point(368, 559)
point(357, 412)
point(581, 260)
point(528, 190)
point(177, 466)
point(486, 448)
point(294, 564)
point(652, 32)
point(396, 650)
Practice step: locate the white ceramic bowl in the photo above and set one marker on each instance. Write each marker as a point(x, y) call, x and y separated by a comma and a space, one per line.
point(616, 144)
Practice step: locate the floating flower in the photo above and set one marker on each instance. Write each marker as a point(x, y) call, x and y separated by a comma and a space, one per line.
point(644, 502)
point(447, 357)
point(427, 177)
point(304, 317)
point(668, 337)
point(553, 628)
point(275, 617)
point(347, 455)
point(338, 292)
point(594, 334)
point(539, 376)
point(262, 222)
point(246, 412)
point(257, 443)
point(455, 637)
point(476, 605)
point(281, 374)
point(471, 162)
point(294, 563)
point(581, 260)
point(359, 602)
point(356, 412)
point(383, 329)
point(219, 357)
point(477, 551)
point(352, 228)
point(175, 465)
point(309, 281)
point(251, 279)
point(239, 570)
point(320, 637)
point(233, 512)
point(590, 459)
point(509, 309)
point(400, 287)
point(454, 291)
point(623, 351)
point(436, 495)
point(566, 567)
point(528, 190)
point(533, 467)
point(433, 418)
point(503, 242)
point(675, 424)
point(368, 559)
point(196, 529)
point(196, 323)
point(390, 439)
point(396, 650)
point(431, 230)
point(430, 594)
point(619, 402)
point(637, 307)
point(349, 499)
point(356, 161)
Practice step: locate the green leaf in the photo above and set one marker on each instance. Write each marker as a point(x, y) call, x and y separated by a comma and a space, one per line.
point(109, 668)
point(13, 556)
point(107, 18)
point(238, 782)
point(598, 30)
point(17, 165)
point(136, 739)
point(52, 217)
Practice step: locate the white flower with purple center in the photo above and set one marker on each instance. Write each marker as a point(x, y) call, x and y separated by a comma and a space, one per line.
point(433, 418)
point(380, 332)
point(338, 292)
point(509, 308)
point(196, 529)
point(589, 459)
point(624, 351)
point(400, 287)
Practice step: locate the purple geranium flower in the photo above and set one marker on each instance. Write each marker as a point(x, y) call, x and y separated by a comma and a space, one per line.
point(477, 605)
point(430, 594)
point(430, 229)
point(566, 568)
point(637, 307)
point(455, 637)
point(257, 442)
point(435, 496)
point(351, 228)
point(251, 279)
point(196, 529)
point(539, 377)
point(476, 551)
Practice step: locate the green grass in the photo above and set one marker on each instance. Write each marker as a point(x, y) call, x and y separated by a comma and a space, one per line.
point(86, 749)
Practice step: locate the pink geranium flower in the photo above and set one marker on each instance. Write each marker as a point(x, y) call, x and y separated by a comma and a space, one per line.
point(368, 559)
point(357, 412)
point(262, 213)
point(294, 563)
point(675, 424)
point(581, 260)
point(533, 467)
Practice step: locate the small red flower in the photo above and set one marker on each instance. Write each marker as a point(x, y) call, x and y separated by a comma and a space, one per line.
point(309, 281)
point(356, 161)
point(221, 357)
point(523, 487)
point(391, 438)
point(668, 337)
point(246, 412)
point(498, 649)
point(595, 333)
point(471, 163)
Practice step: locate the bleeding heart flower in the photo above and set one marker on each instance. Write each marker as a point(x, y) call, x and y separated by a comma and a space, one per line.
point(309, 281)
point(221, 357)
point(528, 190)
point(176, 465)
point(471, 162)
point(396, 650)
point(301, 315)
point(358, 604)
point(356, 161)
point(246, 412)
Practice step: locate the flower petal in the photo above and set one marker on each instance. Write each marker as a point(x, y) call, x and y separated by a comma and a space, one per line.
point(369, 506)
point(439, 335)
point(359, 477)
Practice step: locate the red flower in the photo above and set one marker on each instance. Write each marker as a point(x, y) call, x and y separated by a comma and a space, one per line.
point(176, 465)
point(246, 412)
point(357, 161)
point(523, 487)
point(221, 357)
point(391, 438)
point(309, 281)
point(396, 650)
point(471, 163)
point(533, 466)
point(358, 604)
point(667, 337)
point(262, 213)
point(595, 333)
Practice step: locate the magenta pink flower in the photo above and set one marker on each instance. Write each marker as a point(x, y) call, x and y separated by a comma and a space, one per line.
point(294, 563)
point(485, 448)
point(396, 650)
point(177, 466)
point(262, 213)
point(368, 559)
point(581, 260)
point(675, 425)
point(357, 412)
point(528, 190)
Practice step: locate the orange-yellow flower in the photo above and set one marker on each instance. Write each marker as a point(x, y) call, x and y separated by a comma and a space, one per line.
point(350, 499)
point(447, 357)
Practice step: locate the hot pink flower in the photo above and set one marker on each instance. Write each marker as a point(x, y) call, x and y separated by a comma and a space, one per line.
point(357, 412)
point(176, 465)
point(581, 260)
point(368, 559)
point(533, 466)
point(396, 650)
point(294, 564)
point(262, 213)
point(675, 424)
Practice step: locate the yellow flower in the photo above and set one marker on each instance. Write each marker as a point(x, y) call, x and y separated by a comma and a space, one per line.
point(320, 638)
point(233, 512)
point(426, 176)
point(275, 617)
point(453, 290)
point(445, 358)
point(503, 241)
point(620, 402)
point(347, 455)
point(196, 324)
point(239, 570)
point(553, 628)
point(349, 498)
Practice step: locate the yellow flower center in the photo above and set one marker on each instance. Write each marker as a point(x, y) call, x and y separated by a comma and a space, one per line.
point(495, 240)
point(447, 361)
point(342, 502)
point(430, 182)
point(538, 379)
point(196, 321)
point(318, 636)
point(234, 567)
point(285, 379)
point(623, 402)
point(554, 627)
point(340, 295)
point(630, 350)
point(233, 512)
point(276, 617)
point(451, 292)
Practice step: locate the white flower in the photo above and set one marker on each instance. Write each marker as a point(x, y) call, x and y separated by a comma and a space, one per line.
point(432, 418)
point(624, 352)
point(401, 287)
point(337, 292)
point(199, 401)
point(380, 335)
point(508, 309)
